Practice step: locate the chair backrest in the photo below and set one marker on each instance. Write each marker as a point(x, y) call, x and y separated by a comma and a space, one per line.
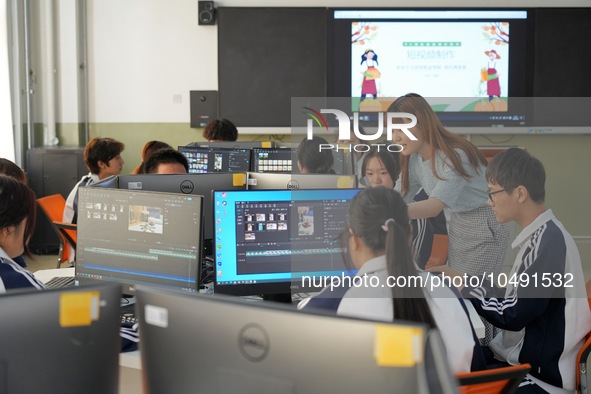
point(53, 206)
point(503, 380)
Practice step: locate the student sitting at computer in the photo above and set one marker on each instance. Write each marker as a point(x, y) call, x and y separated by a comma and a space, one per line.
point(312, 160)
point(543, 312)
point(382, 168)
point(18, 205)
point(166, 161)
point(378, 241)
point(103, 158)
point(219, 130)
point(149, 149)
point(10, 169)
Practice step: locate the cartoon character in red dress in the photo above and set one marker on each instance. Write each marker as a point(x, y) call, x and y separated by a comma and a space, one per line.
point(493, 88)
point(370, 58)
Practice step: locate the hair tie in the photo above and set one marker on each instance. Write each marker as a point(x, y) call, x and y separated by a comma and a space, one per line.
point(385, 225)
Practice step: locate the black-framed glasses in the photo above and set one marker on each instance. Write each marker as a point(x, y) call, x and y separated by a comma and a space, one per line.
point(491, 194)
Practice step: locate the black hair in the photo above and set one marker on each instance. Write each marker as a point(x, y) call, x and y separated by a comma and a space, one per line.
point(368, 212)
point(9, 168)
point(390, 160)
point(101, 149)
point(17, 202)
point(165, 156)
point(220, 130)
point(516, 167)
point(364, 56)
point(149, 149)
point(310, 156)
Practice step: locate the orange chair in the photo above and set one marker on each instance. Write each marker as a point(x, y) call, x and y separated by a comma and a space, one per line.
point(53, 206)
point(503, 380)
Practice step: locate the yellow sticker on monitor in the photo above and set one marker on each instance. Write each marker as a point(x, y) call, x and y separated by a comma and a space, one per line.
point(79, 308)
point(266, 144)
point(398, 346)
point(239, 179)
point(344, 182)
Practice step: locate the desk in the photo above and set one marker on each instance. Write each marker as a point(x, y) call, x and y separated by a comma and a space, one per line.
point(130, 365)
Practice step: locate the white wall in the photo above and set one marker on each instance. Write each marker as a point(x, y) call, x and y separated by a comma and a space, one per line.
point(67, 72)
point(6, 131)
point(146, 55)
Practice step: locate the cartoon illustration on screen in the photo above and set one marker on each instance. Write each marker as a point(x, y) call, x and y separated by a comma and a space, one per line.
point(491, 76)
point(369, 60)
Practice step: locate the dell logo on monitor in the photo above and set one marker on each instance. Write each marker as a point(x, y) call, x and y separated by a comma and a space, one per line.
point(253, 342)
point(293, 184)
point(187, 187)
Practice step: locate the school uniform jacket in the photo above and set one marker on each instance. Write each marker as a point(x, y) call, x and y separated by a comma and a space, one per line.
point(545, 323)
point(375, 303)
point(13, 276)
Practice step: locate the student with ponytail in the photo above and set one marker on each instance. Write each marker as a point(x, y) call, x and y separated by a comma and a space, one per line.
point(379, 243)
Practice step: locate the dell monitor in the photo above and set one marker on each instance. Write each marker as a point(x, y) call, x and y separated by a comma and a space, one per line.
point(222, 345)
point(61, 341)
point(262, 181)
point(199, 184)
point(216, 160)
point(137, 237)
point(269, 241)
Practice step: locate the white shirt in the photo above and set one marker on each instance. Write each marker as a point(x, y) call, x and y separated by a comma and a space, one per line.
point(375, 303)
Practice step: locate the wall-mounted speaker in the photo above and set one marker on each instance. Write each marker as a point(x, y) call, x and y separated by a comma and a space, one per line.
point(204, 107)
point(206, 13)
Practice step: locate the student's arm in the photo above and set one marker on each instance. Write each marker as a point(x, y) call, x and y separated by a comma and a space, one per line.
point(515, 310)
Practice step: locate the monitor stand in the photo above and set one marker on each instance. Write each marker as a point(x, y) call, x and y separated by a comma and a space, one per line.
point(281, 297)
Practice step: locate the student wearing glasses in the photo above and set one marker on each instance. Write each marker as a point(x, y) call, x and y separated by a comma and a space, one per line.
point(543, 313)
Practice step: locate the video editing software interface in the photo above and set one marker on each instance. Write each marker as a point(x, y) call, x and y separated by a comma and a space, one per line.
point(283, 160)
point(265, 236)
point(139, 237)
point(211, 160)
point(272, 160)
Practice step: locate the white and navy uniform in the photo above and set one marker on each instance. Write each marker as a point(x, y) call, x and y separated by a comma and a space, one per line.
point(14, 276)
point(70, 211)
point(375, 303)
point(545, 323)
